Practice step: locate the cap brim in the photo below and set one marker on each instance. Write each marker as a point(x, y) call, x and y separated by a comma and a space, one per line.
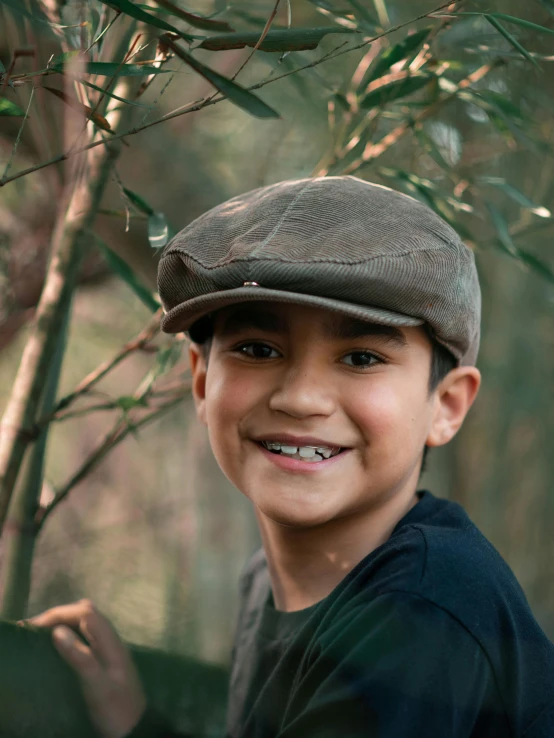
point(181, 317)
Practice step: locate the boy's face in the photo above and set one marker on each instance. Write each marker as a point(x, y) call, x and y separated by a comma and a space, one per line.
point(306, 377)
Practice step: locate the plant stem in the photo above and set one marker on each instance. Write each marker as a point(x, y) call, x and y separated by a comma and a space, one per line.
point(20, 533)
point(80, 203)
point(120, 430)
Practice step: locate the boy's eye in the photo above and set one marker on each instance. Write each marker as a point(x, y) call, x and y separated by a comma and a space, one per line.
point(257, 350)
point(361, 359)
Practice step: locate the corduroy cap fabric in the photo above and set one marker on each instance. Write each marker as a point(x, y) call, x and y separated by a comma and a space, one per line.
point(340, 243)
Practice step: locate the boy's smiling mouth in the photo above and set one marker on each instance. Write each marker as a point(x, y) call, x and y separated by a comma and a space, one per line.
point(299, 451)
point(303, 453)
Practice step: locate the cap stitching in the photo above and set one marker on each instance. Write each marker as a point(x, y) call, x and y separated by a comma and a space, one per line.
point(311, 261)
point(268, 238)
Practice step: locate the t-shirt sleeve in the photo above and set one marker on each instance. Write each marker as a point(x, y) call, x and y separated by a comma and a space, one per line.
point(153, 725)
point(396, 666)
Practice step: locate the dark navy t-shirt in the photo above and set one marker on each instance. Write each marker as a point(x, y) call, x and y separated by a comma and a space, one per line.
point(429, 636)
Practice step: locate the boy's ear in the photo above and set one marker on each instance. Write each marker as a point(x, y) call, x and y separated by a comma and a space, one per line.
point(198, 369)
point(453, 398)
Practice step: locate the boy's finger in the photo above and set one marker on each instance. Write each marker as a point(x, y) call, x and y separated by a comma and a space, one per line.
point(77, 654)
point(104, 639)
point(69, 615)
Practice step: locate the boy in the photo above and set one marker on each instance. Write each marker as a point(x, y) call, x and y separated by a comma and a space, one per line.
point(335, 328)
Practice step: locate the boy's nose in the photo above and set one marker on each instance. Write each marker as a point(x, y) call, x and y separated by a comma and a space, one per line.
point(301, 393)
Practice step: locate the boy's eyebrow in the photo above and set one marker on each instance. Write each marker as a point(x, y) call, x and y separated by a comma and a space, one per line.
point(263, 320)
point(341, 328)
point(337, 328)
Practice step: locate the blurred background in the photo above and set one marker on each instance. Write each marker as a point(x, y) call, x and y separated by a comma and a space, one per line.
point(155, 534)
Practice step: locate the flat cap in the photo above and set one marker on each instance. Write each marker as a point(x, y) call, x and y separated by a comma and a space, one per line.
point(339, 243)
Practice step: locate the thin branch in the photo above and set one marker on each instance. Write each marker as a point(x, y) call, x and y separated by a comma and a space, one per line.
point(114, 437)
point(194, 107)
point(17, 140)
point(138, 343)
point(260, 40)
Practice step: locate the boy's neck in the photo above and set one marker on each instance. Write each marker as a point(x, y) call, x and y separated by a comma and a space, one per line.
point(305, 565)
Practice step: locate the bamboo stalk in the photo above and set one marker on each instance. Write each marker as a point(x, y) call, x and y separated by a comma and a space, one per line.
point(20, 533)
point(76, 216)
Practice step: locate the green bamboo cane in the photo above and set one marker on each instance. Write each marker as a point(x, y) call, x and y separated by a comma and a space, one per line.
point(21, 531)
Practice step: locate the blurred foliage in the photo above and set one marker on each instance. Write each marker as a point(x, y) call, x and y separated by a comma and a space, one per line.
point(454, 109)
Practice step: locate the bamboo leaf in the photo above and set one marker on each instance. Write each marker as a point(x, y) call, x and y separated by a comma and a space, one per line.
point(511, 39)
point(124, 271)
point(138, 202)
point(510, 19)
point(17, 6)
point(515, 195)
point(7, 107)
point(548, 5)
point(501, 227)
point(393, 55)
point(88, 112)
point(112, 69)
point(234, 92)
point(158, 230)
point(283, 39)
point(111, 94)
point(129, 8)
point(535, 263)
point(521, 22)
point(206, 24)
point(395, 90)
point(345, 17)
point(369, 21)
point(505, 242)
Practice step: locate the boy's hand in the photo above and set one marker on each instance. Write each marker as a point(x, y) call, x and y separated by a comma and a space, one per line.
point(109, 679)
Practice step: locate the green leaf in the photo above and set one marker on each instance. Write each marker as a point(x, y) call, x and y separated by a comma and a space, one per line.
point(521, 22)
point(392, 55)
point(129, 8)
point(368, 20)
point(17, 6)
point(138, 202)
point(234, 92)
point(501, 226)
point(511, 39)
point(548, 5)
point(535, 263)
point(512, 192)
point(111, 94)
point(505, 242)
point(7, 107)
point(285, 39)
point(158, 230)
point(395, 90)
point(198, 21)
point(128, 402)
point(85, 110)
point(123, 270)
point(112, 69)
point(345, 17)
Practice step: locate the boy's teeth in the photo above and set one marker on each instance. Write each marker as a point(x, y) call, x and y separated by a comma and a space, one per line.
point(289, 449)
point(311, 453)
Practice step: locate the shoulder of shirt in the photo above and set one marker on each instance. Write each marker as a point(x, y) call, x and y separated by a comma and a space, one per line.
point(254, 566)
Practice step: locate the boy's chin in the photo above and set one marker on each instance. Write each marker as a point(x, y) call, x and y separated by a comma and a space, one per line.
point(297, 515)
